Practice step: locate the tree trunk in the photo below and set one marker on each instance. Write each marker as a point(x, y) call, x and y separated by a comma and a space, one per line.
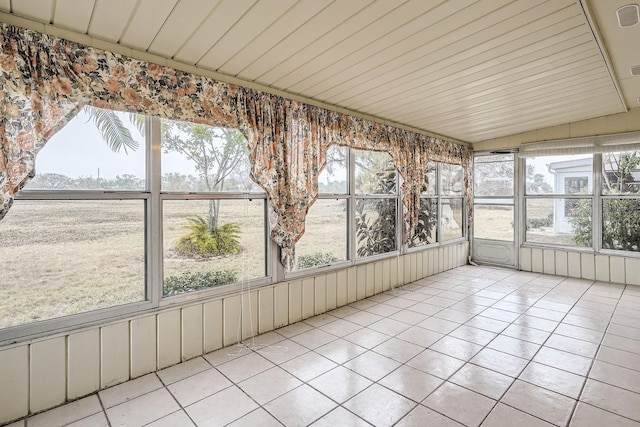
point(214, 211)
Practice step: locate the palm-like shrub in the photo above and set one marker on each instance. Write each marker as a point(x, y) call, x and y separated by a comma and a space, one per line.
point(203, 241)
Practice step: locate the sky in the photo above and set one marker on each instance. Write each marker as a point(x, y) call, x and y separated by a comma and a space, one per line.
point(78, 150)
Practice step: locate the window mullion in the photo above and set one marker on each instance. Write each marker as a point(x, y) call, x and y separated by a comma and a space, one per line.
point(154, 211)
point(351, 206)
point(596, 204)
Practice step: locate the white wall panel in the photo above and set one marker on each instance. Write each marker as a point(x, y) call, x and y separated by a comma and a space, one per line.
point(47, 381)
point(617, 268)
point(114, 354)
point(525, 259)
point(574, 264)
point(393, 272)
point(537, 260)
point(249, 309)
point(341, 288)
point(143, 346)
point(265, 309)
point(440, 260)
point(320, 301)
point(281, 305)
point(588, 267)
point(192, 335)
point(231, 320)
point(632, 269)
point(406, 269)
point(361, 282)
point(83, 363)
point(561, 263)
point(295, 301)
point(602, 268)
point(377, 277)
point(431, 263)
point(352, 284)
point(331, 283)
point(549, 261)
point(308, 297)
point(386, 269)
point(168, 338)
point(212, 325)
point(14, 377)
point(370, 280)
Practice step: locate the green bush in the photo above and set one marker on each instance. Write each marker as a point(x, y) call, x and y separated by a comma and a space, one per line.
point(533, 223)
point(202, 241)
point(189, 282)
point(318, 258)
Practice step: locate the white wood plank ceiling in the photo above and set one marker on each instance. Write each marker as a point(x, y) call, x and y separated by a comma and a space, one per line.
point(468, 69)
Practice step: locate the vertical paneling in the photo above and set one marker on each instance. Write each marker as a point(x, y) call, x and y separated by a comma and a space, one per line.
point(352, 284)
point(549, 261)
point(308, 297)
point(561, 263)
point(341, 288)
point(425, 264)
point(617, 273)
point(406, 269)
point(632, 270)
point(168, 338)
point(536, 260)
point(377, 277)
point(331, 283)
point(265, 309)
point(212, 325)
point(114, 354)
point(14, 377)
point(83, 363)
point(602, 267)
point(295, 301)
point(588, 267)
point(393, 272)
point(574, 264)
point(386, 268)
point(431, 263)
point(440, 260)
point(361, 281)
point(143, 346)
point(249, 308)
point(525, 259)
point(192, 336)
point(320, 302)
point(370, 280)
point(47, 374)
point(231, 320)
point(281, 305)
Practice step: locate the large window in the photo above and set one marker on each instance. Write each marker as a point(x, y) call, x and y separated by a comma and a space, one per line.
point(559, 200)
point(129, 212)
point(621, 201)
point(590, 201)
point(75, 239)
point(376, 188)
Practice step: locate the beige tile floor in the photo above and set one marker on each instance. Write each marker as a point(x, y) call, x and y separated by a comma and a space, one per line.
point(471, 346)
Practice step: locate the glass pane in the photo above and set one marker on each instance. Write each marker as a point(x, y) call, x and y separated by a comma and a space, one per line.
point(621, 224)
point(210, 243)
point(201, 158)
point(375, 226)
point(493, 175)
point(560, 174)
point(325, 238)
point(493, 222)
point(427, 222)
point(451, 180)
point(559, 221)
point(430, 180)
point(375, 173)
point(65, 257)
point(621, 173)
point(97, 150)
point(451, 226)
point(333, 178)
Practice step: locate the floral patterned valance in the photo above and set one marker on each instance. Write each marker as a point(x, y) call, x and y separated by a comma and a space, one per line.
point(46, 80)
